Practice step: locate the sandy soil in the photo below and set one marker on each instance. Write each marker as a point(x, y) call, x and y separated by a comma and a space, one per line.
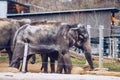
point(34, 68)
point(34, 73)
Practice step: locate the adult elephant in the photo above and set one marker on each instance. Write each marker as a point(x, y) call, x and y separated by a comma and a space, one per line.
point(81, 43)
point(8, 27)
point(48, 37)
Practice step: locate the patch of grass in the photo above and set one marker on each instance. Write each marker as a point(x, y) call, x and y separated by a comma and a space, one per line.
point(78, 62)
point(112, 66)
point(4, 59)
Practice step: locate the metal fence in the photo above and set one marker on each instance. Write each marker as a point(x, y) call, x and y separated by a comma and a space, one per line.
point(103, 45)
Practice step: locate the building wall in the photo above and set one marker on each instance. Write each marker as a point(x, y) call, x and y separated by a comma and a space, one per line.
point(95, 19)
point(3, 9)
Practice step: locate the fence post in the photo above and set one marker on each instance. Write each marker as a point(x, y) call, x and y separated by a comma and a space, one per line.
point(88, 29)
point(115, 48)
point(25, 57)
point(101, 38)
point(110, 48)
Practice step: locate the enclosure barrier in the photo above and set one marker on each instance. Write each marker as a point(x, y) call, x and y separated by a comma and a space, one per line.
point(25, 57)
point(113, 51)
point(101, 38)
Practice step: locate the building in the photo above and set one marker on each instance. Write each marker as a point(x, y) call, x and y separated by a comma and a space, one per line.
point(93, 17)
point(12, 7)
point(16, 7)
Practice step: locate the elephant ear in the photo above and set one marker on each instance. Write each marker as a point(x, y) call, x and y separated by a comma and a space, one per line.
point(77, 30)
point(72, 35)
point(77, 26)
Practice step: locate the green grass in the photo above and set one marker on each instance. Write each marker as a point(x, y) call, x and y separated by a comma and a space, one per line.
point(3, 59)
point(78, 62)
point(113, 66)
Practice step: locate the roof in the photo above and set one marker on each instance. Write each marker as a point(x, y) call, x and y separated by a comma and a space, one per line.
point(113, 9)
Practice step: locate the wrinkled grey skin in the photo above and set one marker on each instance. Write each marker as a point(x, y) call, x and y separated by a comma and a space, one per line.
point(45, 39)
point(8, 27)
point(83, 44)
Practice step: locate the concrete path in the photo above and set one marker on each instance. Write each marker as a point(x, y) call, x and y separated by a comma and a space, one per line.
point(43, 76)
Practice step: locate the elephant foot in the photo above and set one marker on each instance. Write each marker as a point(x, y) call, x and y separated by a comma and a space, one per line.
point(87, 68)
point(32, 62)
point(52, 71)
point(59, 71)
point(77, 70)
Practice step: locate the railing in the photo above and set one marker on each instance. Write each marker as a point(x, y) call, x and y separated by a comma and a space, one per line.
point(115, 31)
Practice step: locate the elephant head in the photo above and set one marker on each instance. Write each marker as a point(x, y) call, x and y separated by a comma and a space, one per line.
point(78, 35)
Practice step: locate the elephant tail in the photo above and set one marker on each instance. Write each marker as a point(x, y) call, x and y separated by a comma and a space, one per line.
point(17, 32)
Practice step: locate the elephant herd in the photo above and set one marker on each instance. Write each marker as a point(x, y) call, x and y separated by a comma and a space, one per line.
point(47, 38)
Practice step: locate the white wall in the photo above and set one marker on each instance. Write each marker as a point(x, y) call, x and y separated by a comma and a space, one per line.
point(3, 9)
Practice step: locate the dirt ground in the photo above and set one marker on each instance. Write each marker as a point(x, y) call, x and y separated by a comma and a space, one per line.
point(34, 73)
point(34, 68)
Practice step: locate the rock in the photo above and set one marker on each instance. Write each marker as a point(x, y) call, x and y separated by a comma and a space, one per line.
point(77, 70)
point(14, 70)
point(101, 69)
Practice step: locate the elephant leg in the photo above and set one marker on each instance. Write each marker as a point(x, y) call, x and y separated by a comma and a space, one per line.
point(67, 63)
point(53, 56)
point(17, 55)
point(87, 49)
point(89, 59)
point(44, 62)
point(60, 63)
point(33, 59)
point(26, 67)
point(10, 53)
point(15, 63)
point(42, 67)
point(52, 65)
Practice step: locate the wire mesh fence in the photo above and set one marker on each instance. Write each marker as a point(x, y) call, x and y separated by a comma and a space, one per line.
point(109, 46)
